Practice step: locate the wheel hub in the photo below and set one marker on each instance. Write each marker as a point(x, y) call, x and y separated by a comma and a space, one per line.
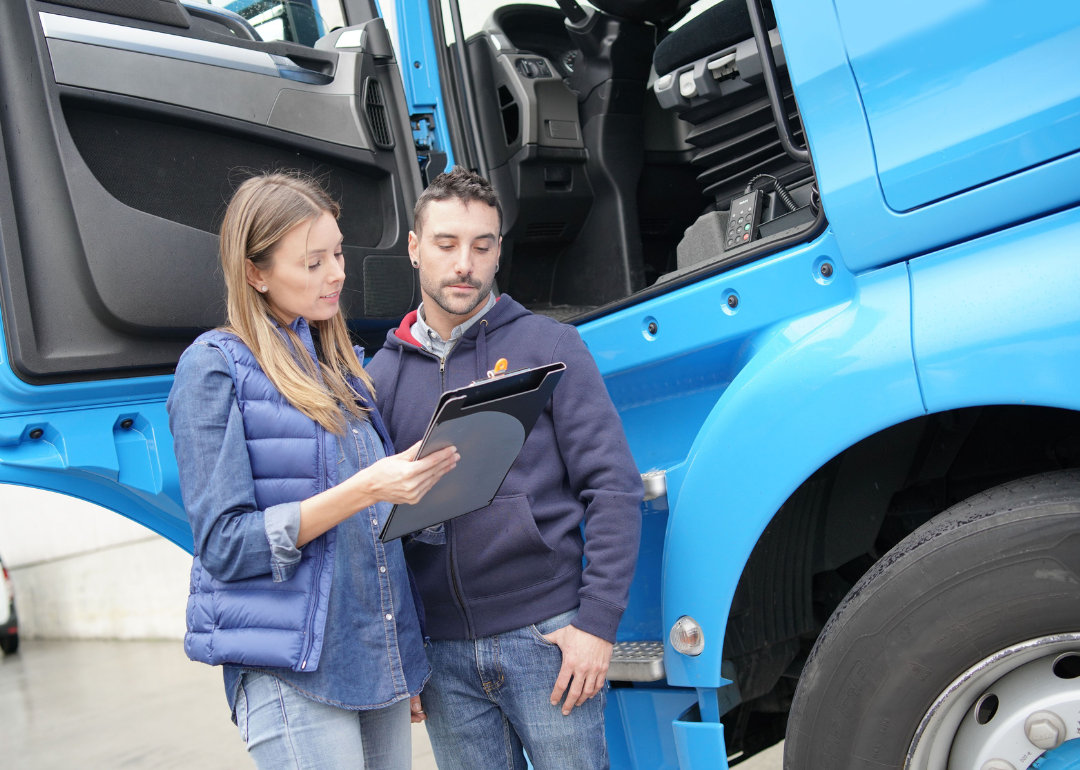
point(1013, 708)
point(1032, 709)
point(1066, 757)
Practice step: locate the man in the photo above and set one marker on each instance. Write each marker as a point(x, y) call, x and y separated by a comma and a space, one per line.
point(521, 634)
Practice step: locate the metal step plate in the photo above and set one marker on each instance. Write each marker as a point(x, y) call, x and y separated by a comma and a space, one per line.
point(637, 662)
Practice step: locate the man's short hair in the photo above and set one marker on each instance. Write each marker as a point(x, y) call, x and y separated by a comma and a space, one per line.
point(461, 184)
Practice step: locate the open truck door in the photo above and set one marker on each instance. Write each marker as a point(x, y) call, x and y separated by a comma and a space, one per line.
point(124, 131)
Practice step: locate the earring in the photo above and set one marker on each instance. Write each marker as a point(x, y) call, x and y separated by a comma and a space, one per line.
point(263, 289)
point(416, 264)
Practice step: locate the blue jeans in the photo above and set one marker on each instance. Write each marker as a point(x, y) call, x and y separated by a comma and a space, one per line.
point(489, 698)
point(284, 729)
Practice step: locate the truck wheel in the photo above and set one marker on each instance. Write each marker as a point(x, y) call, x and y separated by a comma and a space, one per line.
point(989, 588)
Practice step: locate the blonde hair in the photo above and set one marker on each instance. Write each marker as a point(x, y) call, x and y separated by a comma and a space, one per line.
point(263, 209)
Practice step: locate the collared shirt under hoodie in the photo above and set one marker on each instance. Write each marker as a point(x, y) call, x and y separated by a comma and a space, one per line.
point(372, 649)
point(433, 342)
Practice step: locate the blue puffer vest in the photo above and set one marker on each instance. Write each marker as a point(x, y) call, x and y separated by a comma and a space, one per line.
point(257, 621)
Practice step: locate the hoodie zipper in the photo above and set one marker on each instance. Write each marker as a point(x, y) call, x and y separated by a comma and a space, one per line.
point(454, 580)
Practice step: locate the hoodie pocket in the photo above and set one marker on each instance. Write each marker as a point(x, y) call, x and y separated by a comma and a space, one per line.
point(499, 550)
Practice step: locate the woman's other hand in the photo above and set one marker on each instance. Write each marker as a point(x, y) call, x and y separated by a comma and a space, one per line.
point(416, 710)
point(399, 479)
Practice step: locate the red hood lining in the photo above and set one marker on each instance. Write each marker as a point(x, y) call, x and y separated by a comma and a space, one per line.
point(404, 332)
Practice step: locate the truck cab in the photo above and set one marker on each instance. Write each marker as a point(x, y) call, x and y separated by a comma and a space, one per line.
point(824, 254)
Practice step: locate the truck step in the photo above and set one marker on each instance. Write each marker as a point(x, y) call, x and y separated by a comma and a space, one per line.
point(637, 662)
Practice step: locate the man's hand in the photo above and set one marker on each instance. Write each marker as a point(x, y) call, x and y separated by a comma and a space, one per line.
point(585, 659)
point(416, 710)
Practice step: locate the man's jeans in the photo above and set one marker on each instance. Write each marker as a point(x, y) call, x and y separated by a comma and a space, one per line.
point(284, 729)
point(487, 698)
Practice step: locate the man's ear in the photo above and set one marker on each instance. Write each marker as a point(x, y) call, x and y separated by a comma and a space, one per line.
point(414, 249)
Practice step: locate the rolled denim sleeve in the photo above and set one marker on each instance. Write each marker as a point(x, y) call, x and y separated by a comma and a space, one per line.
point(282, 525)
point(234, 540)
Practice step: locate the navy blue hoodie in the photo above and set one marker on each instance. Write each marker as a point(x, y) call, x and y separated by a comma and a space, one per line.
point(519, 561)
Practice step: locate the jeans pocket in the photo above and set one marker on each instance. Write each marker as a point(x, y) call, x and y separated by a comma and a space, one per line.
point(540, 637)
point(562, 620)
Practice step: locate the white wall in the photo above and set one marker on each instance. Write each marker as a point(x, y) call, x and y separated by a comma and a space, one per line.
point(83, 572)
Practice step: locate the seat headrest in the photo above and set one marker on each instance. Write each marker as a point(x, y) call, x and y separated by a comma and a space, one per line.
point(723, 25)
point(652, 11)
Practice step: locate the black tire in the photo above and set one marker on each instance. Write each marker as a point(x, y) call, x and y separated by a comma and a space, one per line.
point(1000, 568)
point(9, 644)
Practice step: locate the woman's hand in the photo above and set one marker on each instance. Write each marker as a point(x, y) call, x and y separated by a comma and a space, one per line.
point(395, 479)
point(416, 710)
point(399, 479)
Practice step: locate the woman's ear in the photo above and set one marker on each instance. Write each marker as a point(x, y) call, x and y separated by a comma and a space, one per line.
point(255, 277)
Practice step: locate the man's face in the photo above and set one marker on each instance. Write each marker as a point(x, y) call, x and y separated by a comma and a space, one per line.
point(457, 253)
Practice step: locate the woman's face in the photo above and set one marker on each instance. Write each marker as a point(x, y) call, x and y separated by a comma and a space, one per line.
point(306, 272)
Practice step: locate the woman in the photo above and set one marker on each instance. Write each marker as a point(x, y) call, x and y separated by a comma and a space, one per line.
point(287, 475)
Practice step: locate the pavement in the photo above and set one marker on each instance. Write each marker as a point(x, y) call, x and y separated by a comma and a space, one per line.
point(102, 704)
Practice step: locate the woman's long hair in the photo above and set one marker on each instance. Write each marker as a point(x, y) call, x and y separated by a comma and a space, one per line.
point(262, 211)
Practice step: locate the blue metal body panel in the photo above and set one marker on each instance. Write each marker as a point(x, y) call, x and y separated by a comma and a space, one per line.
point(801, 358)
point(420, 70)
point(868, 230)
point(700, 744)
point(997, 321)
point(963, 92)
point(967, 300)
point(639, 723)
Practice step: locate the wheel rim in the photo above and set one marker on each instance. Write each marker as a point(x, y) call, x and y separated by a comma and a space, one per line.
point(943, 728)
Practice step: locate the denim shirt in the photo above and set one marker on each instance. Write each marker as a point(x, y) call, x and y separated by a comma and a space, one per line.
point(372, 653)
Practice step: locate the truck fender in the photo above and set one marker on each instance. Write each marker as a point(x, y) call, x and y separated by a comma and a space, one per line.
point(815, 388)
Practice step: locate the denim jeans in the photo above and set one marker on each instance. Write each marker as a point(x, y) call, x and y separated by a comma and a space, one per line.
point(283, 729)
point(489, 698)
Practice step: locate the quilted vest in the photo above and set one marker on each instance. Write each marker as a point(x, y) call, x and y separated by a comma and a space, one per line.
point(257, 621)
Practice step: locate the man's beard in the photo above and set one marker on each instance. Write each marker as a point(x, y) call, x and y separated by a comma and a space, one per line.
point(435, 291)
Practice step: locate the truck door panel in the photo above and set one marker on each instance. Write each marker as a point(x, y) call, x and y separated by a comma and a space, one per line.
point(870, 231)
point(959, 93)
point(120, 156)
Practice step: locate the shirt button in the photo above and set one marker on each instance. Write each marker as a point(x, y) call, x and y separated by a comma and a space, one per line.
point(354, 430)
point(382, 569)
point(374, 522)
point(389, 616)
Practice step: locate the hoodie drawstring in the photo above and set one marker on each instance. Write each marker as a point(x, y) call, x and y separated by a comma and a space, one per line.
point(481, 351)
point(389, 400)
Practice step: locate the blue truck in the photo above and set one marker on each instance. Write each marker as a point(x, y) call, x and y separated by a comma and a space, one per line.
point(826, 254)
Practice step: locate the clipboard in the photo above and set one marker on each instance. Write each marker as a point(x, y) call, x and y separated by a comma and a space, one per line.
point(488, 421)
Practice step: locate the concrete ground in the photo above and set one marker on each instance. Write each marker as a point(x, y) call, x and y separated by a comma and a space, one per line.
point(136, 705)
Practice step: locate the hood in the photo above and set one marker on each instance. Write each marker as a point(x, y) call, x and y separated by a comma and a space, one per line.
point(505, 311)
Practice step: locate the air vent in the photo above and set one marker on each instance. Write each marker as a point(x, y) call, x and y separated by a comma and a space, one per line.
point(511, 115)
point(545, 231)
point(377, 118)
point(742, 142)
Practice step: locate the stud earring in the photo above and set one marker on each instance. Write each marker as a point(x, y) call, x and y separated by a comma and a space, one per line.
point(263, 289)
point(416, 264)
